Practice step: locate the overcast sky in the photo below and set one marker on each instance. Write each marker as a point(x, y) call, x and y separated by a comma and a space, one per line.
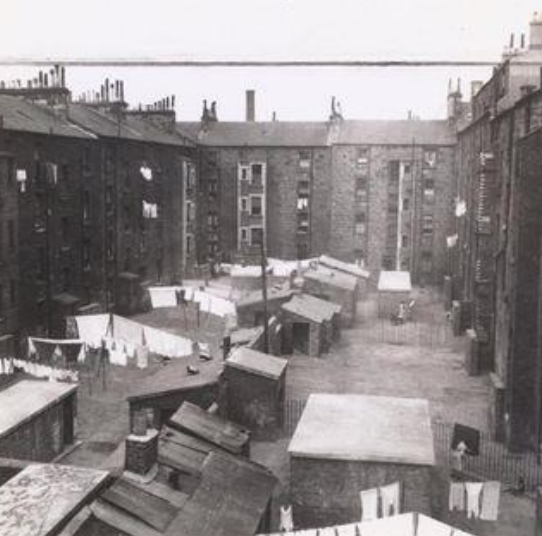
point(269, 29)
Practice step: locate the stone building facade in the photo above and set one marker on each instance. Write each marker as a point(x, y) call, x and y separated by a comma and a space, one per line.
point(102, 203)
point(376, 192)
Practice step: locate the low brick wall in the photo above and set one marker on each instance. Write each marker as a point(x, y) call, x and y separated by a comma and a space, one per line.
point(327, 492)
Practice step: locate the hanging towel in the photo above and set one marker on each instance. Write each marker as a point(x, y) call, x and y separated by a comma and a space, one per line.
point(474, 489)
point(390, 495)
point(490, 501)
point(286, 519)
point(92, 328)
point(369, 504)
point(163, 297)
point(457, 496)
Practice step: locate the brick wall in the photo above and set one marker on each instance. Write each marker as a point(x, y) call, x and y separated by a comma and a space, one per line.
point(326, 492)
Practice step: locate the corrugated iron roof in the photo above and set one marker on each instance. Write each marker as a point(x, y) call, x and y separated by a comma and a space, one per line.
point(26, 116)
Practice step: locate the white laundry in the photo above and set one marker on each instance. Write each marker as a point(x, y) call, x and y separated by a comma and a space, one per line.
point(490, 501)
point(146, 172)
point(432, 527)
point(369, 504)
point(474, 489)
point(92, 328)
point(167, 344)
point(391, 496)
point(163, 296)
point(286, 519)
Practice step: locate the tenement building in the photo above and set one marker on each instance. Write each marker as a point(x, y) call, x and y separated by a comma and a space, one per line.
point(97, 201)
point(376, 192)
point(497, 257)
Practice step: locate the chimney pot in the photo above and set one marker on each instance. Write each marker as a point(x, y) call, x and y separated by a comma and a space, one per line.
point(250, 105)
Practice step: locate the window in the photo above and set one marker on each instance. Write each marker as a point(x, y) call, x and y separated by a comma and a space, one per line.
point(303, 203)
point(11, 235)
point(406, 204)
point(65, 172)
point(305, 159)
point(243, 173)
point(244, 204)
point(404, 241)
point(86, 160)
point(303, 186)
point(189, 245)
point(244, 234)
point(64, 229)
point(12, 293)
point(256, 208)
point(430, 158)
point(427, 225)
point(361, 189)
point(86, 255)
point(66, 279)
point(257, 173)
point(362, 160)
point(359, 228)
point(86, 205)
point(256, 236)
point(127, 217)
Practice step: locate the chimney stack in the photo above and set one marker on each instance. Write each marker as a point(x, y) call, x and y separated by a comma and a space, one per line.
point(141, 446)
point(535, 38)
point(250, 105)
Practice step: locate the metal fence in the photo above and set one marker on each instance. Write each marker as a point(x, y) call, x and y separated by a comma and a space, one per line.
point(494, 461)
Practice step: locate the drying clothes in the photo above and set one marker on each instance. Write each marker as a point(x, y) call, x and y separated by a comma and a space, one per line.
point(470, 436)
point(163, 297)
point(92, 328)
point(286, 519)
point(390, 495)
point(146, 172)
point(457, 496)
point(167, 344)
point(490, 501)
point(369, 504)
point(474, 489)
point(142, 357)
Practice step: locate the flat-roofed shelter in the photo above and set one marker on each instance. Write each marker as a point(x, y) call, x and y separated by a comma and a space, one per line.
point(37, 419)
point(334, 286)
point(393, 288)
point(310, 324)
point(254, 387)
point(344, 444)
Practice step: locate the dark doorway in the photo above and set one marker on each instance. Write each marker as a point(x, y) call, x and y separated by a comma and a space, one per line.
point(68, 410)
point(300, 336)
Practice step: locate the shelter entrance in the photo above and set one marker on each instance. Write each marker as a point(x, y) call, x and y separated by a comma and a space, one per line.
point(300, 336)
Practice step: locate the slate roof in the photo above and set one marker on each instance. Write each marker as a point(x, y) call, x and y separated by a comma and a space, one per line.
point(262, 134)
point(132, 128)
point(26, 116)
point(395, 132)
point(318, 133)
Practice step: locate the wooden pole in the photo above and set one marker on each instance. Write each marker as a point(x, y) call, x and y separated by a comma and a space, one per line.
point(264, 295)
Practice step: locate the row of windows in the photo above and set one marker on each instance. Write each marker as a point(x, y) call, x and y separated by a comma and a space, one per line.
point(252, 204)
point(12, 298)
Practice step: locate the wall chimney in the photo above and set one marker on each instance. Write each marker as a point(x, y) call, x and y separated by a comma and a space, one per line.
point(535, 38)
point(250, 105)
point(141, 446)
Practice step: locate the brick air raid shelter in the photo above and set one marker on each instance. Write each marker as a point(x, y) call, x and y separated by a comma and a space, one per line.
point(344, 444)
point(37, 419)
point(254, 386)
point(310, 324)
